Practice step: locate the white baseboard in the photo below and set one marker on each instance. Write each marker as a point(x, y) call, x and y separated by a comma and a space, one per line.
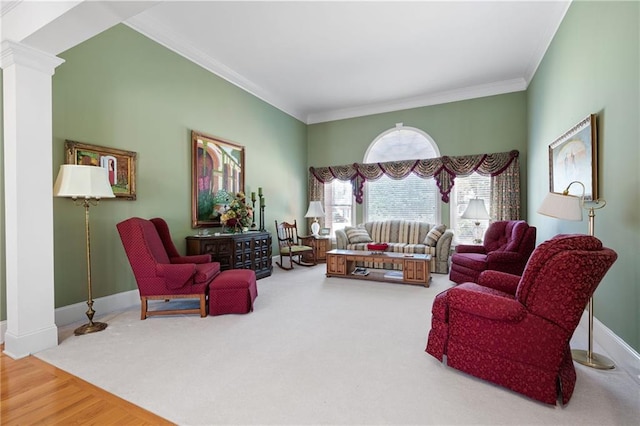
point(69, 314)
point(103, 305)
point(623, 355)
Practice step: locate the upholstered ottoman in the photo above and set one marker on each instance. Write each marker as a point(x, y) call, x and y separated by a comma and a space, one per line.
point(233, 292)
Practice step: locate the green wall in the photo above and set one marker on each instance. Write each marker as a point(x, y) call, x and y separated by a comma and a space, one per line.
point(592, 66)
point(483, 125)
point(122, 90)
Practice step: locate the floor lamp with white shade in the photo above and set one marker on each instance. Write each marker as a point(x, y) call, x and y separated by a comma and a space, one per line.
point(85, 185)
point(569, 207)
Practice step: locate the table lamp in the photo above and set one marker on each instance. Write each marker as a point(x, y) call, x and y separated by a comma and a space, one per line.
point(476, 211)
point(85, 185)
point(569, 207)
point(315, 211)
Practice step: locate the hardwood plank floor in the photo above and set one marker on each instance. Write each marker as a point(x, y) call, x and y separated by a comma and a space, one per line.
point(34, 392)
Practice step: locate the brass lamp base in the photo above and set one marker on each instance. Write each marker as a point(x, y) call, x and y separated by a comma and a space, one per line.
point(594, 360)
point(91, 327)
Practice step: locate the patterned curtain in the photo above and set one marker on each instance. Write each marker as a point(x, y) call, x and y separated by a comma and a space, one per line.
point(502, 167)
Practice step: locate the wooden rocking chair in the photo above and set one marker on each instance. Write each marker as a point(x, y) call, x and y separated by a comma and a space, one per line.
point(291, 246)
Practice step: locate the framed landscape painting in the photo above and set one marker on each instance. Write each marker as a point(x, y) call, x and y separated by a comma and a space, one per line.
point(217, 174)
point(120, 164)
point(574, 157)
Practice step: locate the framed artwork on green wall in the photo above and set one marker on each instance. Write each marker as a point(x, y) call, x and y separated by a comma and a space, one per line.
point(120, 164)
point(217, 174)
point(574, 157)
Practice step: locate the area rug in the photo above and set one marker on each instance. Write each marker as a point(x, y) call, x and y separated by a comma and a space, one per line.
point(316, 350)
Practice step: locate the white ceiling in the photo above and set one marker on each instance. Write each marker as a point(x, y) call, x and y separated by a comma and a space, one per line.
point(321, 61)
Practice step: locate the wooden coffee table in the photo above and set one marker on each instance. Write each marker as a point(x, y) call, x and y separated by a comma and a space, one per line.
point(415, 267)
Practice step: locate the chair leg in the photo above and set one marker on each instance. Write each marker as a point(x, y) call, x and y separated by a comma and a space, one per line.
point(281, 263)
point(143, 308)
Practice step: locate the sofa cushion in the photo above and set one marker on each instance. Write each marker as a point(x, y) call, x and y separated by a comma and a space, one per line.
point(398, 231)
point(434, 235)
point(357, 235)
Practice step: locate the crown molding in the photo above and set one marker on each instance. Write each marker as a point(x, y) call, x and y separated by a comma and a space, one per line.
point(549, 31)
point(164, 36)
point(8, 6)
point(472, 92)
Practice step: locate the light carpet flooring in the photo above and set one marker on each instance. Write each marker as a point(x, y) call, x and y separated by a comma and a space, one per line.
point(317, 350)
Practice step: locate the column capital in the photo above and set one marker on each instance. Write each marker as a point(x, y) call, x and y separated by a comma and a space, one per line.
point(12, 53)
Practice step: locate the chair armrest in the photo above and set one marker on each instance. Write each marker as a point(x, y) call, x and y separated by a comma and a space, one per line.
point(196, 258)
point(307, 240)
point(503, 257)
point(497, 280)
point(341, 239)
point(486, 305)
point(175, 275)
point(470, 248)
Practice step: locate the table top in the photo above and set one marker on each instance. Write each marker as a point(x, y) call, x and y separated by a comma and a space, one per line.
point(389, 254)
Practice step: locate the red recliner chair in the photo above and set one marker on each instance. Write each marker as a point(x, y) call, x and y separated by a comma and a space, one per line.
point(515, 331)
point(506, 247)
point(162, 273)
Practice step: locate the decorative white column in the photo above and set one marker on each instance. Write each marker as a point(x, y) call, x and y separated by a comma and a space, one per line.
point(28, 178)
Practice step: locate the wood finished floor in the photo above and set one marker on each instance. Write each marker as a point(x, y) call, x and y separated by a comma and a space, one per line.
point(33, 392)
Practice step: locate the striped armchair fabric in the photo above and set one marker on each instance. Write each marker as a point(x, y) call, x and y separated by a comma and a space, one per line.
point(403, 236)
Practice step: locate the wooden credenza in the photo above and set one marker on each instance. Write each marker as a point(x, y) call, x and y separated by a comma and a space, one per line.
point(249, 250)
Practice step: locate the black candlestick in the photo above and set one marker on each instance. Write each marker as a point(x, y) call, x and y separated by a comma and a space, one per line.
point(253, 216)
point(261, 211)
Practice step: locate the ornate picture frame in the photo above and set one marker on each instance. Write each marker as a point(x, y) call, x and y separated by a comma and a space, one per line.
point(121, 165)
point(574, 157)
point(217, 174)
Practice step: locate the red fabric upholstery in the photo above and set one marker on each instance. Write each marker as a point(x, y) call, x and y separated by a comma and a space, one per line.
point(233, 292)
point(507, 246)
point(515, 331)
point(170, 248)
point(158, 276)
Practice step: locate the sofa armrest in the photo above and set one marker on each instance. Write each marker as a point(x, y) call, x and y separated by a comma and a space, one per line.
point(341, 239)
point(443, 246)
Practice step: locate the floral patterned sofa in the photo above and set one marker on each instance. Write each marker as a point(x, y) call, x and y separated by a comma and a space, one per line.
point(402, 236)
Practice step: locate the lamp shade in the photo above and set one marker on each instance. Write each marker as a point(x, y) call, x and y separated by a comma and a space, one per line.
point(476, 210)
point(315, 209)
point(559, 206)
point(76, 181)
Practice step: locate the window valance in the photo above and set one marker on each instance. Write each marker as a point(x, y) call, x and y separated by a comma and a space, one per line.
point(443, 169)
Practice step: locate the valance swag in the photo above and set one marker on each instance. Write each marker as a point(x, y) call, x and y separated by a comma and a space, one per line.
point(443, 169)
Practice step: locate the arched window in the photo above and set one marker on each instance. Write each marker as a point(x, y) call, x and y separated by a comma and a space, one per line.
point(411, 198)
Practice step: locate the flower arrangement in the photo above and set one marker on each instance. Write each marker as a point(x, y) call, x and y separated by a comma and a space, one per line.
point(238, 214)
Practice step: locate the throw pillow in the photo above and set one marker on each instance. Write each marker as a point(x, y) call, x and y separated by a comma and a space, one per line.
point(434, 235)
point(357, 235)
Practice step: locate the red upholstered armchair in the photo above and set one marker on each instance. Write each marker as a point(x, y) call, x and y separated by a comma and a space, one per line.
point(507, 246)
point(160, 272)
point(515, 331)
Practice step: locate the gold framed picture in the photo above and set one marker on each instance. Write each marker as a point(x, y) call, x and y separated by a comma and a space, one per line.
point(120, 164)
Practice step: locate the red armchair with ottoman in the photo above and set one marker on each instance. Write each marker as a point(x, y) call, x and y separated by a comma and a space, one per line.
point(515, 331)
point(160, 277)
point(506, 247)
